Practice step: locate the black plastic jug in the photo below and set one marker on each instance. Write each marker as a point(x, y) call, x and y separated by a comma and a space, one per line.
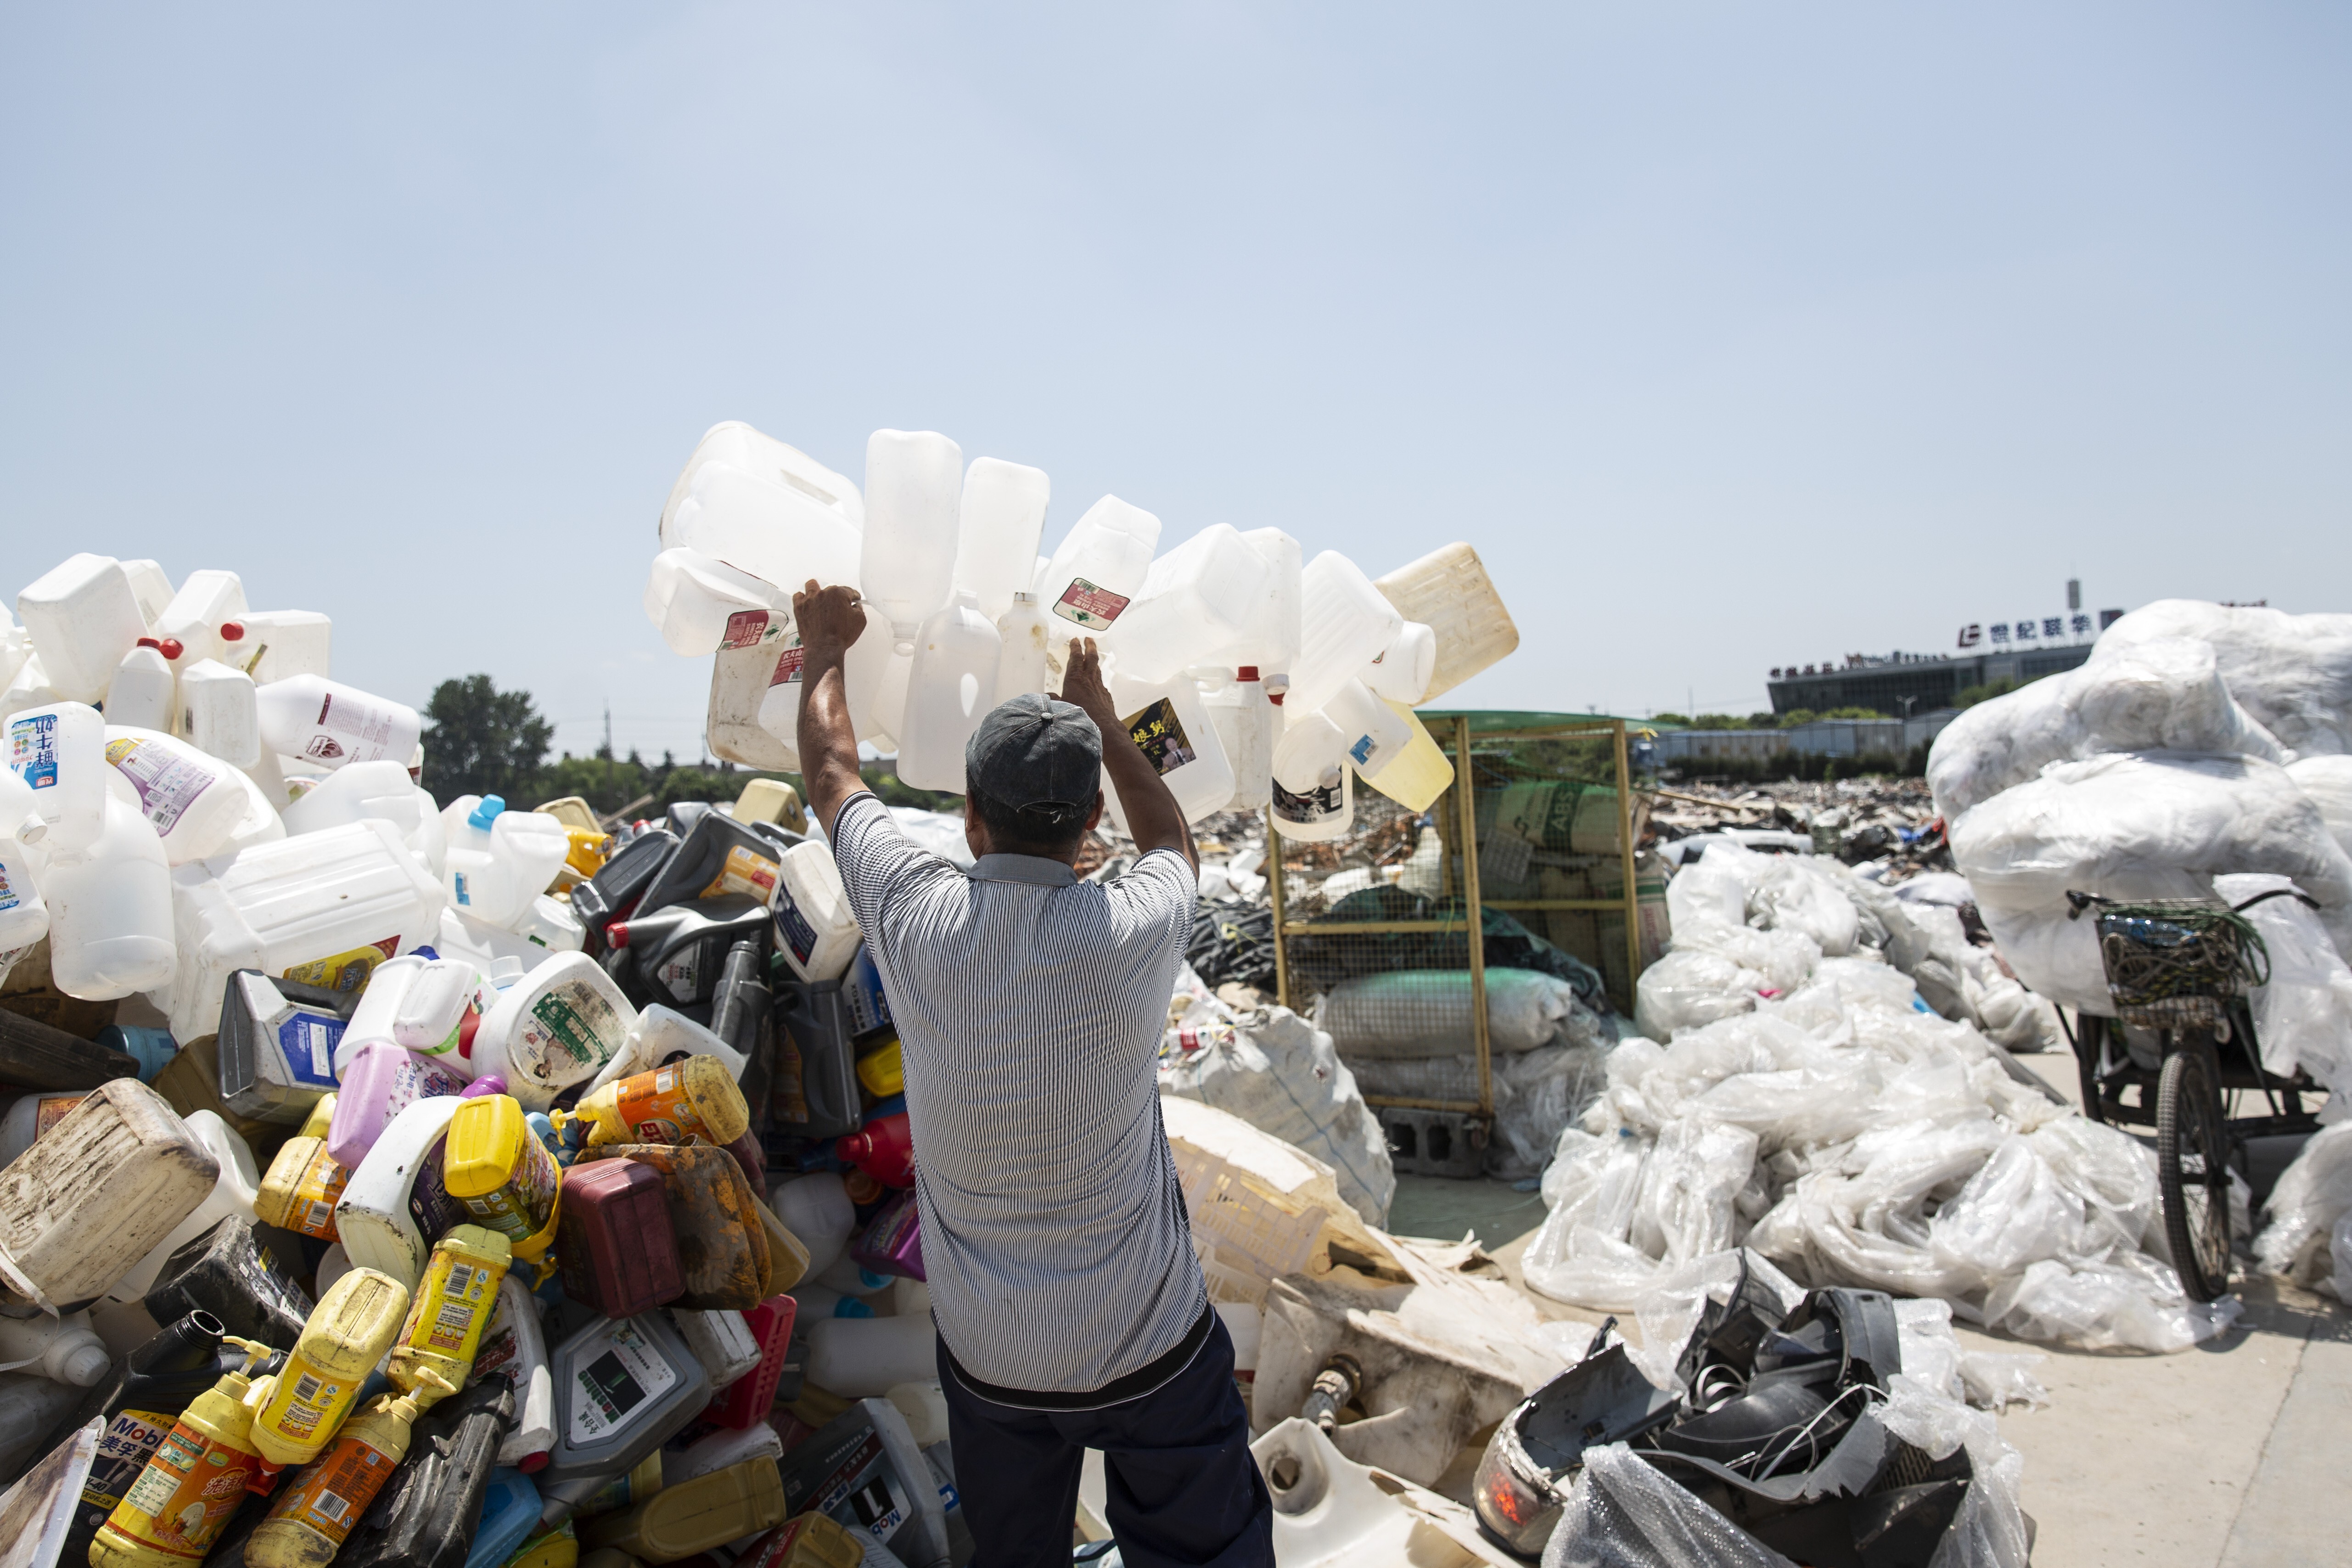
point(813, 1087)
point(717, 856)
point(620, 882)
point(427, 1514)
point(743, 1014)
point(677, 955)
point(227, 1273)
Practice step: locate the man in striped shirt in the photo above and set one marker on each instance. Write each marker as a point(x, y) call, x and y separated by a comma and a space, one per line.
point(1070, 1307)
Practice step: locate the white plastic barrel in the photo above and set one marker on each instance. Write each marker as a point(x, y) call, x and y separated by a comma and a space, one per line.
point(1002, 514)
point(1167, 719)
point(83, 618)
point(1244, 722)
point(206, 599)
point(700, 605)
point(762, 456)
point(151, 586)
point(195, 802)
point(277, 645)
point(914, 487)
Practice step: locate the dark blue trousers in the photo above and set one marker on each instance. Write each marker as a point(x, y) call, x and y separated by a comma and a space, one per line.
point(1183, 1491)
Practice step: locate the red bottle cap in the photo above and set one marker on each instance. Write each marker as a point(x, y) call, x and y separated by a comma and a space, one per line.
point(617, 934)
point(172, 648)
point(151, 642)
point(232, 631)
point(1246, 672)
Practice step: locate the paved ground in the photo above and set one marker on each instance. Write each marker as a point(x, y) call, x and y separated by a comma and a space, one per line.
point(2235, 1455)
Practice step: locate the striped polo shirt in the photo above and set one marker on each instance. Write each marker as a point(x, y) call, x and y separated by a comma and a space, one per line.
point(1030, 1007)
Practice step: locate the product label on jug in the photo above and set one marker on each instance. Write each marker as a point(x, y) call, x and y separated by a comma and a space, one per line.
point(367, 727)
point(1317, 805)
point(166, 785)
point(33, 750)
point(344, 971)
point(130, 1440)
point(305, 1397)
point(317, 1191)
point(607, 1389)
point(1089, 603)
point(429, 1203)
point(1160, 734)
point(789, 662)
point(746, 628)
point(9, 896)
point(862, 1491)
point(798, 934)
point(308, 1041)
point(332, 1491)
point(187, 1493)
point(571, 1027)
point(679, 973)
point(454, 1299)
point(743, 871)
point(517, 1207)
point(657, 1107)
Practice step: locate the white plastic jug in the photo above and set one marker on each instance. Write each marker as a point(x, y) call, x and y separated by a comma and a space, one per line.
point(83, 618)
point(24, 913)
point(816, 1208)
point(373, 1219)
point(59, 752)
point(231, 1198)
point(700, 605)
point(1344, 624)
point(1167, 719)
point(497, 861)
point(925, 1406)
point(331, 724)
point(15, 648)
point(1371, 733)
point(28, 688)
point(1401, 672)
point(914, 486)
point(659, 1035)
point(1197, 600)
point(952, 677)
point(220, 711)
point(206, 600)
point(1003, 512)
point(64, 1350)
point(556, 1027)
point(1271, 640)
point(1026, 634)
point(737, 445)
point(1244, 722)
point(110, 929)
point(371, 1022)
point(143, 691)
point(430, 1015)
point(324, 908)
point(1305, 750)
point(1449, 591)
point(276, 645)
point(193, 801)
point(1100, 567)
point(862, 1358)
point(769, 684)
point(874, 678)
point(364, 790)
point(151, 586)
point(1419, 772)
point(1316, 814)
point(815, 930)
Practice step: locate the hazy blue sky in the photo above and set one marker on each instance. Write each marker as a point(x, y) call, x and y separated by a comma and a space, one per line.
point(1731, 334)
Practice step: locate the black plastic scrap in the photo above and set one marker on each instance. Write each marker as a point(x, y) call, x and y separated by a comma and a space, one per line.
point(1770, 1398)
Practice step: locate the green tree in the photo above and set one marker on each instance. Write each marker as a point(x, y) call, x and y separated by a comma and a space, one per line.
point(481, 740)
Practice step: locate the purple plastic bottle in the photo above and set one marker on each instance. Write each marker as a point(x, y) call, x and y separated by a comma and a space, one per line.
point(378, 1083)
point(892, 1241)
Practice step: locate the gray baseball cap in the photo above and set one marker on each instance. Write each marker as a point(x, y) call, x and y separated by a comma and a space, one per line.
point(1036, 754)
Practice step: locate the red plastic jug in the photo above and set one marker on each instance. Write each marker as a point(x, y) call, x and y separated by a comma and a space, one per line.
point(884, 1149)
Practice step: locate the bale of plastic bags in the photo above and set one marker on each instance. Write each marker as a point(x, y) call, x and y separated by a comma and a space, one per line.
point(1427, 1013)
point(2292, 673)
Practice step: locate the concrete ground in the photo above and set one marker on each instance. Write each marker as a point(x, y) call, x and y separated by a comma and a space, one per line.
point(2236, 1454)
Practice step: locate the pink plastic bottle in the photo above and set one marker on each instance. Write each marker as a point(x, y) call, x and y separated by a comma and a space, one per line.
point(378, 1083)
point(884, 1149)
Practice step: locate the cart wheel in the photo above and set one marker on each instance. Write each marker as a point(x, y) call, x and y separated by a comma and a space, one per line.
point(2090, 1040)
point(2193, 1165)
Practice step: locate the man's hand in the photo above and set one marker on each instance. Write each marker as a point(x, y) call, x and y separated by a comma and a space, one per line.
point(1083, 688)
point(829, 619)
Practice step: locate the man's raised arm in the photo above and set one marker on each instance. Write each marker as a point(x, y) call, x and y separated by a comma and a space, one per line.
point(830, 620)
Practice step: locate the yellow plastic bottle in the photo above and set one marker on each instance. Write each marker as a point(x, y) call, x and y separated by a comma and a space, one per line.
point(696, 1515)
point(625, 1490)
point(557, 1548)
point(499, 1171)
point(314, 1515)
point(304, 1182)
point(349, 1330)
point(883, 1071)
point(192, 1486)
point(810, 1540)
point(695, 1097)
point(1419, 772)
point(453, 1304)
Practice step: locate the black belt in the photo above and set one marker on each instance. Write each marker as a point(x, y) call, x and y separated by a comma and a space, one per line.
point(1146, 1379)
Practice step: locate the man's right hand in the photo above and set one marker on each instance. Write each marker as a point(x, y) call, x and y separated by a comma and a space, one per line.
point(829, 619)
point(1153, 819)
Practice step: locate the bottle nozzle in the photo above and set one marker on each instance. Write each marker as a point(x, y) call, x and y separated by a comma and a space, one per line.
point(255, 1352)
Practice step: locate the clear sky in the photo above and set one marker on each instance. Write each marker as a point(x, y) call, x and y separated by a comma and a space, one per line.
point(1731, 335)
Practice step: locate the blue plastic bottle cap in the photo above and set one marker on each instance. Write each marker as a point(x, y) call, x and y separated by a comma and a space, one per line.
point(487, 812)
point(871, 1280)
point(851, 1307)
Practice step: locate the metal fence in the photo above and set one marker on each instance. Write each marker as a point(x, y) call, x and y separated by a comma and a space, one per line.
point(1532, 846)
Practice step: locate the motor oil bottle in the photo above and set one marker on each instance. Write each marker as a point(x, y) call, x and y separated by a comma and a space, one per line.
point(192, 1485)
point(314, 1514)
point(715, 857)
point(623, 1387)
point(695, 1515)
point(619, 882)
point(811, 1541)
point(496, 1169)
point(675, 955)
point(743, 1016)
point(425, 1518)
point(445, 1324)
point(149, 1389)
point(346, 1336)
point(722, 1248)
point(304, 1182)
point(228, 1273)
point(812, 1089)
point(695, 1097)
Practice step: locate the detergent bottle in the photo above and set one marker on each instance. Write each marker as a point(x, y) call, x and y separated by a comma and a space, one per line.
point(380, 1081)
point(442, 1008)
point(83, 615)
point(496, 1169)
point(893, 1240)
point(304, 1180)
point(314, 1514)
point(144, 691)
point(63, 1350)
point(815, 931)
point(556, 1027)
point(354, 1324)
point(695, 1097)
point(455, 1301)
point(377, 1218)
point(196, 804)
point(137, 1405)
point(662, 1037)
point(193, 1484)
point(883, 1149)
point(952, 677)
point(327, 722)
point(497, 861)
